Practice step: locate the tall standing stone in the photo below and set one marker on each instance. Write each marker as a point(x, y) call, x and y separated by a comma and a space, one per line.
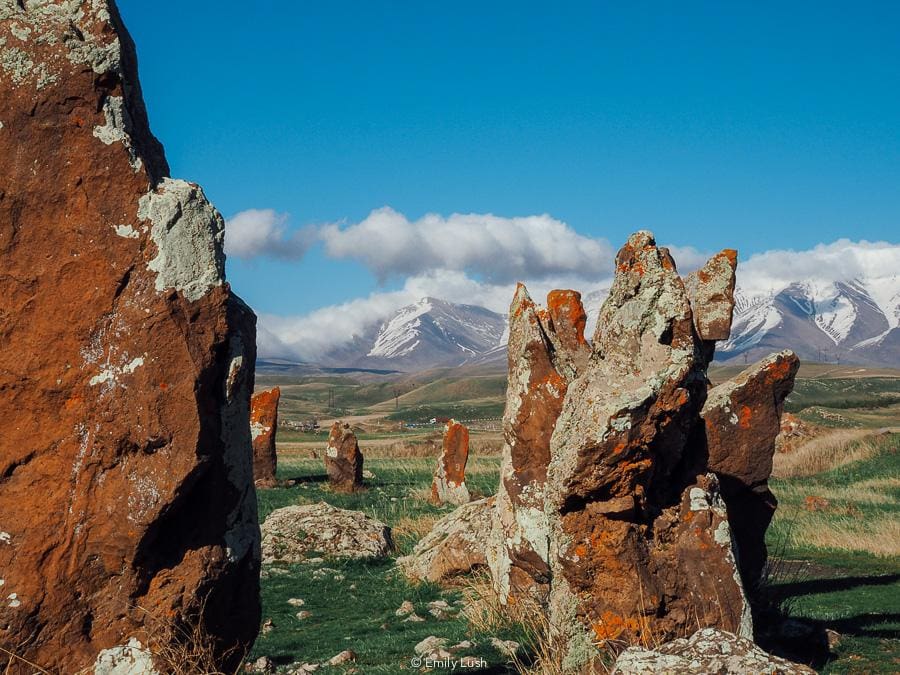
point(263, 427)
point(343, 460)
point(449, 484)
point(537, 382)
point(127, 506)
point(640, 544)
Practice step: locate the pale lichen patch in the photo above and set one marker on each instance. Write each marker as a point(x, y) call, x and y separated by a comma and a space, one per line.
point(189, 236)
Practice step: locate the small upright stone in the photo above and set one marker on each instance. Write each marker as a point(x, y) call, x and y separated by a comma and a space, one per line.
point(569, 320)
point(711, 292)
point(263, 425)
point(449, 485)
point(343, 460)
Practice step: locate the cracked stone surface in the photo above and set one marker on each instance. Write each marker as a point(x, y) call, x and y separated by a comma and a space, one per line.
point(127, 363)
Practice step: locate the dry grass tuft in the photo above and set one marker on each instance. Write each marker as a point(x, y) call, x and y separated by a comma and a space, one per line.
point(878, 535)
point(415, 526)
point(486, 613)
point(824, 453)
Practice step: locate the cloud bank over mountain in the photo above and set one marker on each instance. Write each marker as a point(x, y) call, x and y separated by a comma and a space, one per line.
point(476, 259)
point(311, 336)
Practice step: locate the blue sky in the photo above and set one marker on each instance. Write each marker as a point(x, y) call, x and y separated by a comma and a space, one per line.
point(750, 125)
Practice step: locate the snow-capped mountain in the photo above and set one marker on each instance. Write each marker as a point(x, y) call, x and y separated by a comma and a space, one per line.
point(854, 321)
point(426, 334)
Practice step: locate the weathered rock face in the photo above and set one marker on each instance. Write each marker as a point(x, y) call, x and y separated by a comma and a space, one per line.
point(127, 363)
point(343, 460)
point(456, 544)
point(519, 553)
point(263, 426)
point(640, 543)
point(742, 418)
point(711, 292)
point(291, 533)
point(449, 484)
point(568, 319)
point(706, 651)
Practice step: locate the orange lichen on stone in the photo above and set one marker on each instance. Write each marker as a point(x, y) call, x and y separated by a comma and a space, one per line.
point(263, 427)
point(746, 417)
point(611, 626)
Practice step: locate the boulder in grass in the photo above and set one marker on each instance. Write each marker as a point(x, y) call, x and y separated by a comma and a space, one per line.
point(294, 533)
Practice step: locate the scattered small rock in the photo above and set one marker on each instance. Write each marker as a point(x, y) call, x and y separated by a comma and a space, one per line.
point(462, 646)
point(345, 656)
point(439, 609)
point(267, 627)
point(413, 618)
point(296, 602)
point(834, 638)
point(304, 614)
point(406, 608)
point(368, 475)
point(262, 665)
point(506, 647)
point(429, 645)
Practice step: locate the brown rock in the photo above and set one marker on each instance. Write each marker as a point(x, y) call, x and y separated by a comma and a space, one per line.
point(127, 504)
point(263, 425)
point(456, 544)
point(794, 433)
point(449, 484)
point(741, 418)
point(568, 319)
point(343, 460)
point(534, 397)
point(639, 541)
point(711, 291)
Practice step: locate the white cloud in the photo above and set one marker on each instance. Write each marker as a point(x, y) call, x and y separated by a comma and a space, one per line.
point(263, 232)
point(497, 249)
point(841, 260)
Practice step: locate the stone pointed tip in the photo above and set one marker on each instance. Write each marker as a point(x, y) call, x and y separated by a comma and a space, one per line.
point(642, 238)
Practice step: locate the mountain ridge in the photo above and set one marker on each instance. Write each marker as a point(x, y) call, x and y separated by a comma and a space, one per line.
point(849, 321)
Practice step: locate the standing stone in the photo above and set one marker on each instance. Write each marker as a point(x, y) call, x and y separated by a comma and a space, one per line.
point(742, 418)
point(263, 426)
point(711, 291)
point(449, 484)
point(127, 507)
point(640, 545)
point(518, 556)
point(569, 319)
point(343, 460)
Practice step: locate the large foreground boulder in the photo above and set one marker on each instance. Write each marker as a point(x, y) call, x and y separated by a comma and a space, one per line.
point(640, 542)
point(127, 506)
point(293, 533)
point(707, 652)
point(449, 483)
point(456, 544)
point(263, 427)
